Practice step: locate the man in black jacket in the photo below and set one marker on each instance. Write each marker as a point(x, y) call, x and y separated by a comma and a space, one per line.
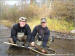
point(20, 32)
point(42, 33)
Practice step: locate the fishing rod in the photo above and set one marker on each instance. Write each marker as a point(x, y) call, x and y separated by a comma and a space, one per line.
point(31, 48)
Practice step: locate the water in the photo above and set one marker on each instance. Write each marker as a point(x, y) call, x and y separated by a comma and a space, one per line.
point(64, 46)
point(60, 46)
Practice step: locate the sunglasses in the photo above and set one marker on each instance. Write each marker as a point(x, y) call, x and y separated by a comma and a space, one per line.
point(43, 22)
point(22, 21)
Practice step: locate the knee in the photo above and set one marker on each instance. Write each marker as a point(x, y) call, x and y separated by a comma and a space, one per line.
point(10, 40)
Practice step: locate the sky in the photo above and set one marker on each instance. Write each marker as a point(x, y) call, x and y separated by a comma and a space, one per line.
point(15, 2)
point(11, 2)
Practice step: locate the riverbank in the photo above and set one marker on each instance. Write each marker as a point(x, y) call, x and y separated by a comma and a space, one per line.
point(53, 24)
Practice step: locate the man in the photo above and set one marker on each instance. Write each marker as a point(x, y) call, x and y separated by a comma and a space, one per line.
point(42, 32)
point(20, 32)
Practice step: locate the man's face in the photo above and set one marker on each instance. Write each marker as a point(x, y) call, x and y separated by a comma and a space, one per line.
point(43, 24)
point(22, 23)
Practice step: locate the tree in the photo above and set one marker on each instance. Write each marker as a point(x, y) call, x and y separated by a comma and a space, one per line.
point(63, 9)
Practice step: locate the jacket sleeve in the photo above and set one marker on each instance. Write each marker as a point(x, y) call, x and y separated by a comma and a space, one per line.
point(34, 34)
point(45, 38)
point(14, 34)
point(28, 33)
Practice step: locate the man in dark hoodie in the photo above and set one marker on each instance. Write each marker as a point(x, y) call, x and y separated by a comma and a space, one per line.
point(42, 33)
point(20, 32)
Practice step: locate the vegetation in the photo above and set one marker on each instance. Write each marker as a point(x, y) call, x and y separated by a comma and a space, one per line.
point(60, 15)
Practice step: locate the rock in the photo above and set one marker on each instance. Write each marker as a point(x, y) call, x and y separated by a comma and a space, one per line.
point(73, 31)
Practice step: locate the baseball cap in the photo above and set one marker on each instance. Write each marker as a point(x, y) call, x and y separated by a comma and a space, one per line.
point(22, 19)
point(43, 20)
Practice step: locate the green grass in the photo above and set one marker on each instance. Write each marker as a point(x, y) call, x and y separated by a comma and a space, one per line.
point(7, 23)
point(33, 23)
point(53, 24)
point(60, 25)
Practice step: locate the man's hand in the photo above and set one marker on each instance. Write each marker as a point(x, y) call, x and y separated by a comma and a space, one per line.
point(26, 44)
point(43, 51)
point(19, 43)
point(32, 44)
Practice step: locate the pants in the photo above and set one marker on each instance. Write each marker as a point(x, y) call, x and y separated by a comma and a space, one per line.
point(42, 43)
point(22, 39)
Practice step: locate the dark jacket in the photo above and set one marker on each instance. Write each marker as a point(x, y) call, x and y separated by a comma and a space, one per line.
point(44, 32)
point(16, 28)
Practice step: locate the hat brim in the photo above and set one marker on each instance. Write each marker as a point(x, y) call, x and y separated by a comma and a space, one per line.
point(43, 22)
point(23, 20)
